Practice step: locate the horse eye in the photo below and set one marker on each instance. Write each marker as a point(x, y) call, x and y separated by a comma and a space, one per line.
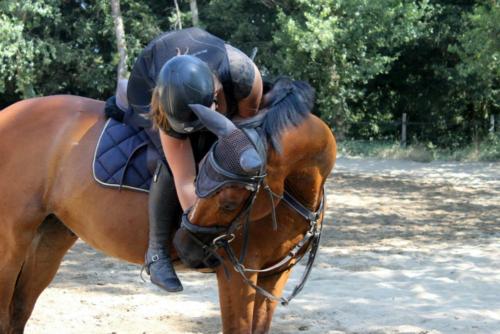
point(229, 205)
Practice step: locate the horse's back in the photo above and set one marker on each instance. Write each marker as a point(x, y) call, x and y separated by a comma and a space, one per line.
point(39, 126)
point(42, 114)
point(48, 106)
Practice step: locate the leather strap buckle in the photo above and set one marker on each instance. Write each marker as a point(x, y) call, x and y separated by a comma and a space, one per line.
point(225, 237)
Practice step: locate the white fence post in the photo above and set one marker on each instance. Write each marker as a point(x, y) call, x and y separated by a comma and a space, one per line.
point(492, 124)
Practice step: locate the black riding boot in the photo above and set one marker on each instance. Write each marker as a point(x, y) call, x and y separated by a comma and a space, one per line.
point(164, 214)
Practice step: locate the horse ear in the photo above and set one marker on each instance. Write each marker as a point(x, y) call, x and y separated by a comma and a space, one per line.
point(250, 161)
point(214, 121)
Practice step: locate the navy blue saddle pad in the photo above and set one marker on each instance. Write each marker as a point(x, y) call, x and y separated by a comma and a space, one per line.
point(125, 157)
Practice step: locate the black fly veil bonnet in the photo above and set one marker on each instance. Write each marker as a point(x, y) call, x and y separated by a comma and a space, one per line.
point(237, 158)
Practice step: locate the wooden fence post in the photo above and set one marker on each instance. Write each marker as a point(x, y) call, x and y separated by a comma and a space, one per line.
point(404, 123)
point(492, 124)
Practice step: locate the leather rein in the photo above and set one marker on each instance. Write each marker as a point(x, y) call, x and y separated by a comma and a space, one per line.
point(226, 234)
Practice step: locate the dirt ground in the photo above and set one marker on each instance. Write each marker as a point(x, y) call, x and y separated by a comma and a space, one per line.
point(407, 248)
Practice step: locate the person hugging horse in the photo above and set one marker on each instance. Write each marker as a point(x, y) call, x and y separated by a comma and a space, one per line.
point(177, 69)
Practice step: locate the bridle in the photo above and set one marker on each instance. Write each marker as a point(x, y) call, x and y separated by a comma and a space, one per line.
point(224, 235)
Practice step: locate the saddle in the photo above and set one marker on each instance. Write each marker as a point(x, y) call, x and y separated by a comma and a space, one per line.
point(125, 156)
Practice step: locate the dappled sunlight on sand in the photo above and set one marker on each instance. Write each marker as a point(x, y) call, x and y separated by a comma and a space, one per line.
point(407, 248)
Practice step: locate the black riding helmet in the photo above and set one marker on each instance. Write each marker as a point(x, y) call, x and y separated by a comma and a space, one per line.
point(184, 80)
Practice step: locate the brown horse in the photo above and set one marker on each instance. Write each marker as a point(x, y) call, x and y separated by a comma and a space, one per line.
point(48, 199)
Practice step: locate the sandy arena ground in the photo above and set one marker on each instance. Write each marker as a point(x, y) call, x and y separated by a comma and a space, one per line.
point(407, 248)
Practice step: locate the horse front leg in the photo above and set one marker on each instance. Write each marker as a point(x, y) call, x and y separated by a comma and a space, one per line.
point(236, 300)
point(264, 308)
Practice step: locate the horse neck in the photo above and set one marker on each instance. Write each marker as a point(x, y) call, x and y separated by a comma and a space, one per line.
point(307, 158)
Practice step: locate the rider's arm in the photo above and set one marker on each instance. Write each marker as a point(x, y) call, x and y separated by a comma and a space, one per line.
point(179, 154)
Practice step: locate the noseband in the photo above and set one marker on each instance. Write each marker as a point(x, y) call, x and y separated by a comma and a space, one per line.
point(224, 235)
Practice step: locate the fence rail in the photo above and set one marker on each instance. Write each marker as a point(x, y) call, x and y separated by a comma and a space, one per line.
point(404, 124)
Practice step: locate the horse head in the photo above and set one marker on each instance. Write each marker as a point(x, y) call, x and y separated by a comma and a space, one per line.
point(227, 184)
point(242, 178)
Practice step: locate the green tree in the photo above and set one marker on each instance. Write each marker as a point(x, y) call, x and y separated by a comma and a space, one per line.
point(54, 46)
point(370, 61)
point(339, 46)
point(478, 69)
point(245, 24)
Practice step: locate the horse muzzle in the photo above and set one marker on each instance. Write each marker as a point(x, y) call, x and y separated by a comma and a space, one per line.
point(193, 250)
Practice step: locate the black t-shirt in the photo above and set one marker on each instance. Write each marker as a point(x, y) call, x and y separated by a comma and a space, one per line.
point(233, 68)
point(192, 41)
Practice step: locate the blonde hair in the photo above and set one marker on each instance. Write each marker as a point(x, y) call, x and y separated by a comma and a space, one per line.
point(157, 113)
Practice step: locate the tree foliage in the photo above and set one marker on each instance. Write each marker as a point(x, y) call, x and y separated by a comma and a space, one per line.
point(369, 61)
point(54, 46)
point(345, 44)
point(477, 73)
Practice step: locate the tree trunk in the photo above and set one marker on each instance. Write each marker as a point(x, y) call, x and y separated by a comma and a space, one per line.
point(194, 12)
point(120, 39)
point(178, 24)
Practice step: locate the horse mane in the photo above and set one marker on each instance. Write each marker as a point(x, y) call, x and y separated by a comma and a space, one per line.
point(287, 104)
